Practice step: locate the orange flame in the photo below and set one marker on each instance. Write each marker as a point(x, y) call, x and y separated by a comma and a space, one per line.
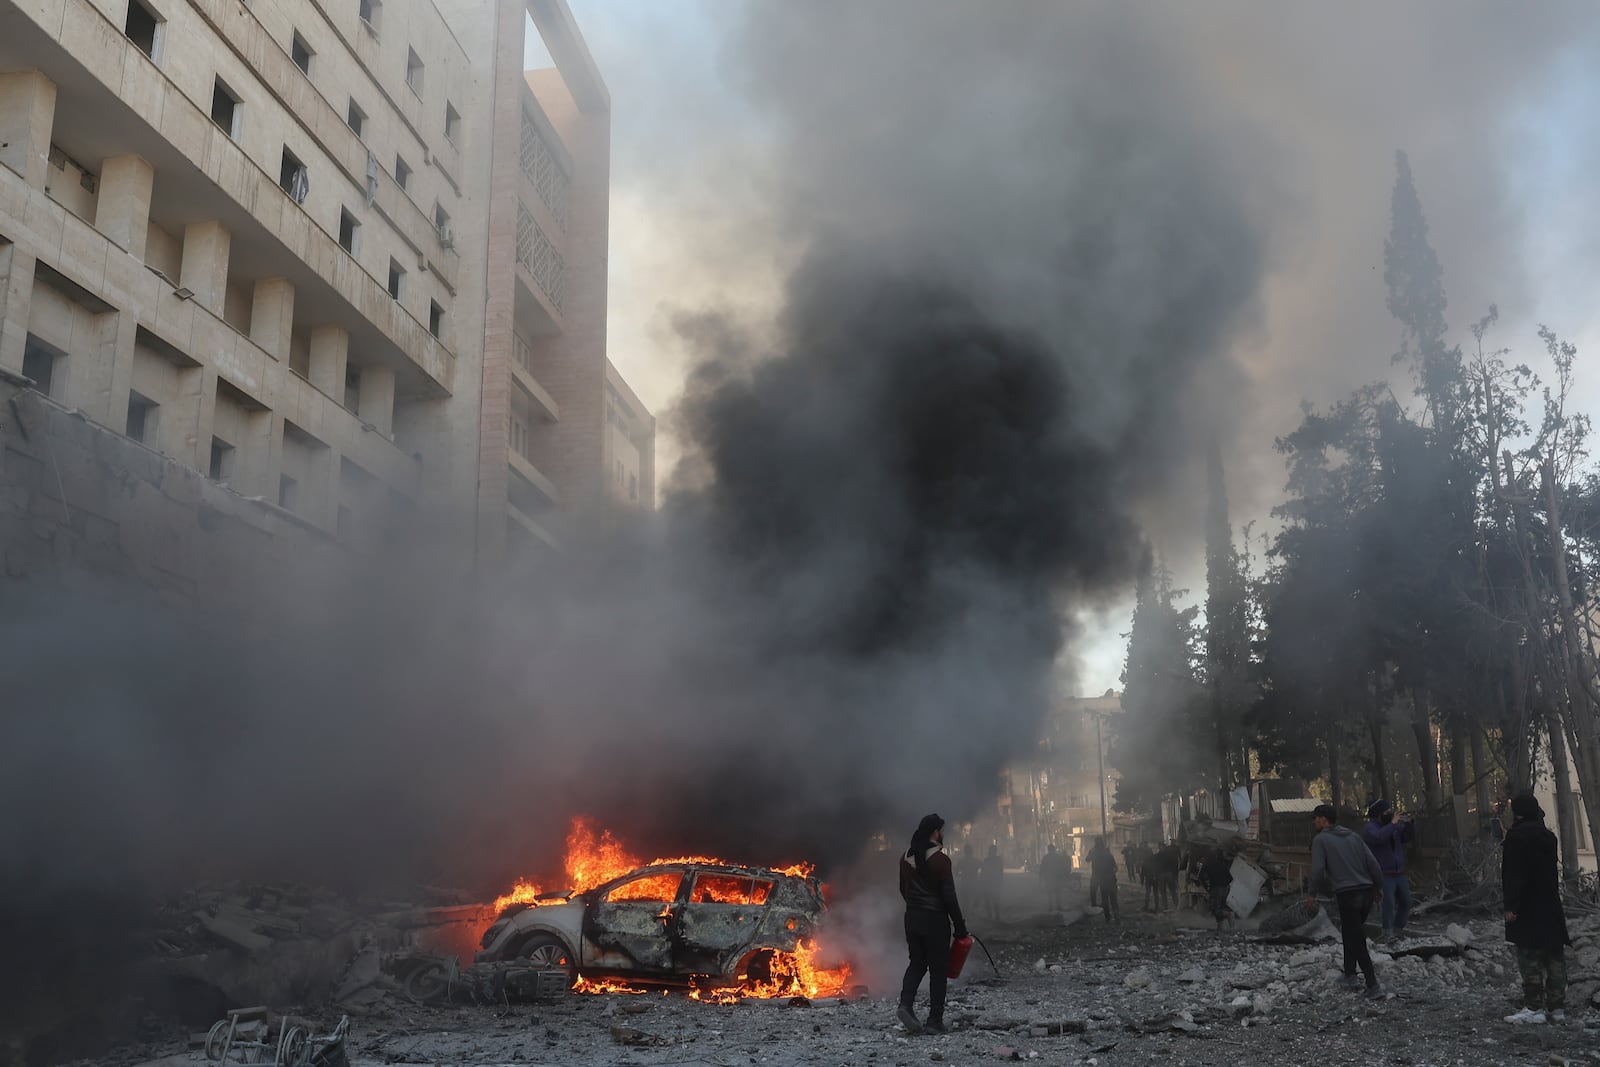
point(594, 858)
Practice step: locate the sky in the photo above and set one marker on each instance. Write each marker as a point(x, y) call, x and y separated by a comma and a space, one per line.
point(1497, 111)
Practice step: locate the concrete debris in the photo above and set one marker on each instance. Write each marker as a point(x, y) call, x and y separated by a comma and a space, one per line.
point(1193, 974)
point(626, 1035)
point(1459, 934)
point(1138, 979)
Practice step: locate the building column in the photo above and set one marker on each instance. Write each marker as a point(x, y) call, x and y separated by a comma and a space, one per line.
point(125, 338)
point(27, 116)
point(205, 419)
point(123, 211)
point(205, 265)
point(330, 351)
point(375, 403)
point(16, 293)
point(272, 317)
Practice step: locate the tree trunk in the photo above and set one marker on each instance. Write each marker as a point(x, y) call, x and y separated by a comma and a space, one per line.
point(1333, 769)
point(1566, 816)
point(1480, 771)
point(1427, 752)
point(1459, 779)
point(1520, 758)
point(1380, 766)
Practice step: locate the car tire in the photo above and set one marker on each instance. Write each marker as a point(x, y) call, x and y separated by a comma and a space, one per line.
point(549, 953)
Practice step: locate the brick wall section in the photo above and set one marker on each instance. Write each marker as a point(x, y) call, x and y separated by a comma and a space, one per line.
point(77, 499)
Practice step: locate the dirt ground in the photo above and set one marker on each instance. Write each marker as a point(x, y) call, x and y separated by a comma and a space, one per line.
point(1163, 989)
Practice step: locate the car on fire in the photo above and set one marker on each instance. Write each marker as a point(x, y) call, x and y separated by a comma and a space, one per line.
point(670, 923)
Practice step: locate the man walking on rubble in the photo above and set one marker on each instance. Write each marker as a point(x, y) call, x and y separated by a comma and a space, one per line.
point(1343, 863)
point(1535, 921)
point(1387, 837)
point(1053, 872)
point(1216, 874)
point(928, 885)
point(1103, 876)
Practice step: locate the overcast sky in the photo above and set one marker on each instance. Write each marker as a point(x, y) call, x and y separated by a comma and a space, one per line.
point(1497, 105)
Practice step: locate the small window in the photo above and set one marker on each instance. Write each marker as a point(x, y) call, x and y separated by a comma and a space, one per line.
point(288, 492)
point(292, 177)
point(141, 424)
point(656, 888)
point(452, 123)
point(402, 174)
point(371, 12)
point(225, 109)
point(347, 230)
point(397, 276)
point(441, 218)
point(301, 53)
point(435, 318)
point(39, 363)
point(221, 460)
point(414, 71)
point(352, 387)
point(356, 118)
point(143, 28)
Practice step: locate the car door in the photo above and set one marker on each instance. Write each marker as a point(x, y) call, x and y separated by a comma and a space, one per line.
point(720, 916)
point(629, 927)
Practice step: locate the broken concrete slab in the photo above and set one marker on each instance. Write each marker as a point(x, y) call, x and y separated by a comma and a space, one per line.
point(235, 935)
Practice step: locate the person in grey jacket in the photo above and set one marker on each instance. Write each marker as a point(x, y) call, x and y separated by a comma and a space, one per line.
point(1342, 863)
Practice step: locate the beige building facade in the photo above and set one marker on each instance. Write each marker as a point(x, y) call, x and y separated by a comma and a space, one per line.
point(286, 244)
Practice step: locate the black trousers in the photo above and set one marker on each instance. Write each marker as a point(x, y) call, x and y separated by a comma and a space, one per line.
point(1354, 907)
point(928, 943)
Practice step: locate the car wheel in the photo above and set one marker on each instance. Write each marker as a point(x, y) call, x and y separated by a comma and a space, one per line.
point(547, 953)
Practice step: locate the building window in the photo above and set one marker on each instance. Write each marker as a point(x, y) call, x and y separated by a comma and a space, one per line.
point(519, 436)
point(414, 71)
point(402, 174)
point(435, 318)
point(441, 223)
point(352, 387)
point(452, 123)
point(143, 28)
point(288, 492)
point(141, 424)
point(633, 487)
point(371, 12)
point(397, 276)
point(292, 177)
point(221, 460)
point(356, 118)
point(225, 109)
point(347, 230)
point(39, 363)
point(301, 53)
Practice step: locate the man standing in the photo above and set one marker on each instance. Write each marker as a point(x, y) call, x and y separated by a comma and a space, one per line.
point(1387, 837)
point(1535, 922)
point(1343, 863)
point(928, 885)
point(1217, 875)
point(991, 882)
point(1053, 871)
point(1103, 878)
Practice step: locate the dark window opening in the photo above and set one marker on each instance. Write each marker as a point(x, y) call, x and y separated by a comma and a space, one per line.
point(225, 108)
point(435, 318)
point(352, 387)
point(142, 28)
point(292, 177)
point(414, 71)
point(370, 11)
point(141, 423)
point(221, 460)
point(356, 118)
point(39, 363)
point(397, 276)
point(347, 231)
point(301, 53)
point(402, 173)
point(452, 123)
point(288, 492)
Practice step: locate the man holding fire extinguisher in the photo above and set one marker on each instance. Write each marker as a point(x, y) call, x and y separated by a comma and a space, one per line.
point(928, 885)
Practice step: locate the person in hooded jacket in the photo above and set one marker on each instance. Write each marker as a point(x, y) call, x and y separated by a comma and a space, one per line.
point(929, 887)
point(1342, 862)
point(1535, 921)
point(1387, 837)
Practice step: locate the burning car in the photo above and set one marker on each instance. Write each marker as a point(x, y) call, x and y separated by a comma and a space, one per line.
point(667, 922)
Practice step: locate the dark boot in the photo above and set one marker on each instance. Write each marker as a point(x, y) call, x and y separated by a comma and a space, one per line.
point(935, 1023)
point(908, 1019)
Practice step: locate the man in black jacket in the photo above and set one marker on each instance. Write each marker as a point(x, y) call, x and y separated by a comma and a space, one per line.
point(1535, 921)
point(929, 888)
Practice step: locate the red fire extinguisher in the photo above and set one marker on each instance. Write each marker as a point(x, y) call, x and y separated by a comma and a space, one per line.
point(958, 954)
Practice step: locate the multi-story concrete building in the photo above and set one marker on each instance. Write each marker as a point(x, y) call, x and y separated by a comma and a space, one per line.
point(329, 253)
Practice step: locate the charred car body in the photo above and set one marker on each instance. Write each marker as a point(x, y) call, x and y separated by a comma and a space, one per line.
point(666, 922)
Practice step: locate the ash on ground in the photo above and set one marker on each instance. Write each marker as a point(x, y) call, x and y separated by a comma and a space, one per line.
point(1070, 989)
